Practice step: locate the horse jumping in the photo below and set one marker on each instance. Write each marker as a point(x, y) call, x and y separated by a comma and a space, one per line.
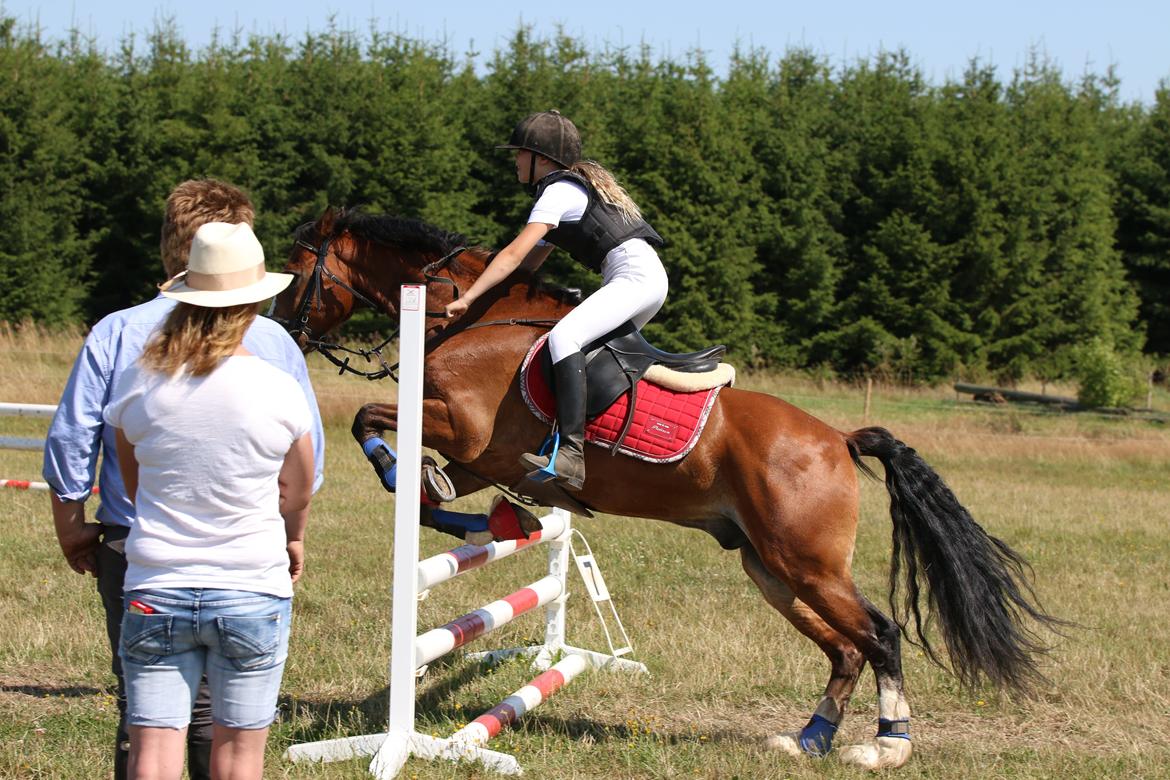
point(765, 478)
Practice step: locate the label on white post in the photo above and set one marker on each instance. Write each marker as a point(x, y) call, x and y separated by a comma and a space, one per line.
point(409, 298)
point(591, 576)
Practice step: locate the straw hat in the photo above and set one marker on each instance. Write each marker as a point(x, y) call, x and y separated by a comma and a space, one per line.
point(226, 268)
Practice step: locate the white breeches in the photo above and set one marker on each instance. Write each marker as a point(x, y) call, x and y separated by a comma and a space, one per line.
point(633, 288)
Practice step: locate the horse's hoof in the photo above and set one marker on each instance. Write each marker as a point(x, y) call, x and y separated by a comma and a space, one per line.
point(436, 483)
point(479, 538)
point(882, 753)
point(787, 742)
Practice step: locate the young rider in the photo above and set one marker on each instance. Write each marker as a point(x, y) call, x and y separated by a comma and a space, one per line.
point(580, 208)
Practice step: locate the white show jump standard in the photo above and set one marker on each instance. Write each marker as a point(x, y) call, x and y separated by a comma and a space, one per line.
point(409, 651)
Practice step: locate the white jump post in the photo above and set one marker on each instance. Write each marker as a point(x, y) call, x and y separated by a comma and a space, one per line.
point(410, 651)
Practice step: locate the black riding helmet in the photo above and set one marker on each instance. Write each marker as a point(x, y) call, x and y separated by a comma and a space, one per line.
point(549, 134)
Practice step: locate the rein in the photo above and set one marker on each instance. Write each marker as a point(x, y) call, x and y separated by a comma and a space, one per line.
point(313, 298)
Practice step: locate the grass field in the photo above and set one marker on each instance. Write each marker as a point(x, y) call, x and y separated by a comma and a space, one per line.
point(1086, 499)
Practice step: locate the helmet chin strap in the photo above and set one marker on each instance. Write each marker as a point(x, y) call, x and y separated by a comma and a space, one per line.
point(530, 185)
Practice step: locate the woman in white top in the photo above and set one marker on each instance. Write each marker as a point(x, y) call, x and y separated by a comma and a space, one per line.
point(582, 209)
point(215, 450)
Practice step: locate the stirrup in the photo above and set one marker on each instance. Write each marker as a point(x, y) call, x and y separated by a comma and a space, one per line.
point(548, 472)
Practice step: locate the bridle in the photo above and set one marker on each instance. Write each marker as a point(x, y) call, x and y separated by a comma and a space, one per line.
point(312, 298)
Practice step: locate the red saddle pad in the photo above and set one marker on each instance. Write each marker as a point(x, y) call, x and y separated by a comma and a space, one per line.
point(666, 426)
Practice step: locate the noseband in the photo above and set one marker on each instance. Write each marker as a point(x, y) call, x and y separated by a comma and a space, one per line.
point(312, 298)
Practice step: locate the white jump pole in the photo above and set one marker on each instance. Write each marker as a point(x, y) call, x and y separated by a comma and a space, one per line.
point(27, 410)
point(20, 443)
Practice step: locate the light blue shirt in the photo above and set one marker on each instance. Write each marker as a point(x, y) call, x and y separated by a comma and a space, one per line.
point(78, 433)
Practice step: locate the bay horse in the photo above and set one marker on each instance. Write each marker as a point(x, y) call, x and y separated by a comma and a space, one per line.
point(765, 478)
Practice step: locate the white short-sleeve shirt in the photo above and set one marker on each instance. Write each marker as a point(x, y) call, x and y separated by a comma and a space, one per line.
point(561, 201)
point(209, 453)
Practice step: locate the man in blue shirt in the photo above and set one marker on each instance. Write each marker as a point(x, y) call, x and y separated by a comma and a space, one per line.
point(77, 435)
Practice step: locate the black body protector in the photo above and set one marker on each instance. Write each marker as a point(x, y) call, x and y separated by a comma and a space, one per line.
point(601, 228)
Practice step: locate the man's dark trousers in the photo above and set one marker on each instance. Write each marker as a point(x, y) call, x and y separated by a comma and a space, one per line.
point(111, 571)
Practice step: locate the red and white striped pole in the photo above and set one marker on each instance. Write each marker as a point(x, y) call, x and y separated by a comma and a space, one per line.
point(511, 709)
point(24, 484)
point(439, 641)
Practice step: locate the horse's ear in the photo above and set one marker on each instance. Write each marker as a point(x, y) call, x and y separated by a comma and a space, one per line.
point(326, 221)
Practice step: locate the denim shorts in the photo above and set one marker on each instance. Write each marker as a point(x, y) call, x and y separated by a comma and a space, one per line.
point(239, 639)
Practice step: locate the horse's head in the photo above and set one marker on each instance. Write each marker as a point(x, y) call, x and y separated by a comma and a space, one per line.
point(347, 259)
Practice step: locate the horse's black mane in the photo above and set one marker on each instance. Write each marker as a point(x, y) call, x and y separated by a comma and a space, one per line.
point(423, 237)
point(401, 232)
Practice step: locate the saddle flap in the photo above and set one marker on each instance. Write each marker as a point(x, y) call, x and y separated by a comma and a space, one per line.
point(628, 341)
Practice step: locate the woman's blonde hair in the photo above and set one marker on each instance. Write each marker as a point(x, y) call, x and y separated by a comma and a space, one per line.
point(603, 182)
point(198, 338)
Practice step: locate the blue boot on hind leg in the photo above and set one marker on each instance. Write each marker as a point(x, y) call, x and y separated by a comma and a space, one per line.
point(816, 738)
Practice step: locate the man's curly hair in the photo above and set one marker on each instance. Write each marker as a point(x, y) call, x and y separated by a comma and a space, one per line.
point(193, 204)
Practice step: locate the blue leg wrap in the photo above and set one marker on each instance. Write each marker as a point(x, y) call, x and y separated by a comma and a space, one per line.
point(893, 728)
point(816, 738)
point(464, 520)
point(384, 460)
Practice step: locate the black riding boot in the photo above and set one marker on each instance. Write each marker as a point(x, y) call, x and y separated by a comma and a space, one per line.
point(569, 386)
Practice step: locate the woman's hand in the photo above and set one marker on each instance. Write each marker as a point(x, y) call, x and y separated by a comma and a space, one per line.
point(457, 307)
point(296, 559)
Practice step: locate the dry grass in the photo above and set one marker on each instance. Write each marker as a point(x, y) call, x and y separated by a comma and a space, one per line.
point(1085, 499)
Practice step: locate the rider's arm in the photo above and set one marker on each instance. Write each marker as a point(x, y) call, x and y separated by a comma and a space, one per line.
point(536, 257)
point(502, 265)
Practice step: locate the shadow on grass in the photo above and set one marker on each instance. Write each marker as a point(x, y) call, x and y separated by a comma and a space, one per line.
point(53, 691)
point(313, 721)
point(318, 720)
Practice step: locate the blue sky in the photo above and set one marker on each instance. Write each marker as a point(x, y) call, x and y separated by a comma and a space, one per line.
point(941, 36)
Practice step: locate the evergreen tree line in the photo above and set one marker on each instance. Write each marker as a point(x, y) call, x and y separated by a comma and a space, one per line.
point(851, 217)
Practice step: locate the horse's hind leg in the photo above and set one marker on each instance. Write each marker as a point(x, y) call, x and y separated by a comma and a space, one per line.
point(891, 746)
point(844, 657)
point(835, 599)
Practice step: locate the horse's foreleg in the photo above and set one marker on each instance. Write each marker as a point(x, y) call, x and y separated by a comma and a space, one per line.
point(439, 432)
point(374, 419)
point(847, 661)
point(443, 431)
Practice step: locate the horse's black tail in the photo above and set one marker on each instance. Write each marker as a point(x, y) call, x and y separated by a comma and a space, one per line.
point(978, 588)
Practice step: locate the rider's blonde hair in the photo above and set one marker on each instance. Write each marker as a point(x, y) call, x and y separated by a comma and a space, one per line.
point(198, 338)
point(603, 182)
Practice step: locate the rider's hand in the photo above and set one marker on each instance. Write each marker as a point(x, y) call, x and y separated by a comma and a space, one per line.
point(457, 307)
